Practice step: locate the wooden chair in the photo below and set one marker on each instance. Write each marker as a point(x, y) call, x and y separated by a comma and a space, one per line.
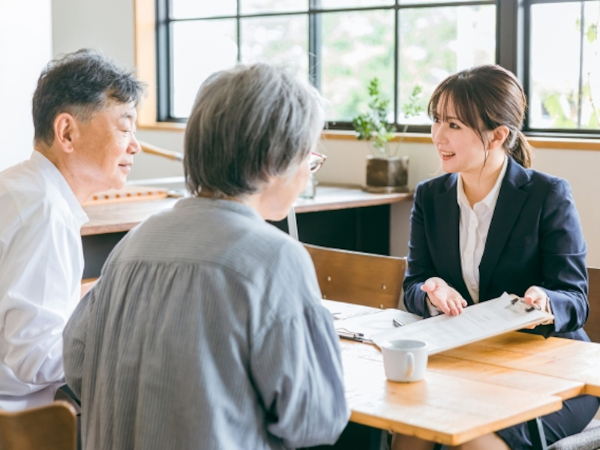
point(359, 278)
point(52, 427)
point(592, 326)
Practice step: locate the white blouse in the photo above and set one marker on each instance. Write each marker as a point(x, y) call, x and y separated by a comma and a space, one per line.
point(474, 227)
point(41, 264)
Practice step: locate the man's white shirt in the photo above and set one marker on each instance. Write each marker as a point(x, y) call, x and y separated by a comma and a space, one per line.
point(41, 265)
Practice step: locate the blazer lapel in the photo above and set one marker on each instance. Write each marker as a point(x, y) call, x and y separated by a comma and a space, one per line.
point(508, 207)
point(447, 223)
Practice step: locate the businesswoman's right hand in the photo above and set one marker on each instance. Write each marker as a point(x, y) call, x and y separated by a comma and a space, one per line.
point(443, 297)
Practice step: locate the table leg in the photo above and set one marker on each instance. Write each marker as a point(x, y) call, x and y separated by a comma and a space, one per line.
point(537, 435)
point(378, 439)
point(438, 446)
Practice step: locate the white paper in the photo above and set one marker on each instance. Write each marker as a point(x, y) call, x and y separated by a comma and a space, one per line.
point(371, 324)
point(343, 311)
point(475, 323)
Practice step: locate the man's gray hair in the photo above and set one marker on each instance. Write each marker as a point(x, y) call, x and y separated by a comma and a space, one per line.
point(248, 124)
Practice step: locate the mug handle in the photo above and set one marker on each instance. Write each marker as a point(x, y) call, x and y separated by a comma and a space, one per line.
point(410, 364)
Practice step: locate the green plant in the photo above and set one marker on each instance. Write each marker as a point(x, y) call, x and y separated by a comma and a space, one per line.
point(373, 125)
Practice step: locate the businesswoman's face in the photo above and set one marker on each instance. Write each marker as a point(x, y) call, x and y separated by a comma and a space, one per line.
point(459, 147)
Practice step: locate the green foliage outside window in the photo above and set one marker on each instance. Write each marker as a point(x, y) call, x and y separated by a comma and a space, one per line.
point(373, 125)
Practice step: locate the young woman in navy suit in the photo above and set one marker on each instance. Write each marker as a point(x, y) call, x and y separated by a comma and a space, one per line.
point(491, 225)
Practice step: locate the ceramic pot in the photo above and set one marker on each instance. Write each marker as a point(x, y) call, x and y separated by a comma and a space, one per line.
point(387, 174)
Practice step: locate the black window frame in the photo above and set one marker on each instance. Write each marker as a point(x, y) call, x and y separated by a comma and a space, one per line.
point(513, 49)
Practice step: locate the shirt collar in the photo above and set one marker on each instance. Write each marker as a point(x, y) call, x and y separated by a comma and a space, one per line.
point(51, 173)
point(490, 200)
point(232, 205)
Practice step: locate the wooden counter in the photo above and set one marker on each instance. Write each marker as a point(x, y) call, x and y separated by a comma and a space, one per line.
point(124, 216)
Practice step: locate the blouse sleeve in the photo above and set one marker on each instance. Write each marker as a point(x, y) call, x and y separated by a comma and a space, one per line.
point(297, 369)
point(296, 363)
point(74, 337)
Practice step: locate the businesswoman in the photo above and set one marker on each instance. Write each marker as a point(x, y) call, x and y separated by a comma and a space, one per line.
point(492, 224)
point(206, 329)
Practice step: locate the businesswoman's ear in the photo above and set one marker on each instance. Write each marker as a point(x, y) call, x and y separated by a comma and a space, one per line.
point(498, 137)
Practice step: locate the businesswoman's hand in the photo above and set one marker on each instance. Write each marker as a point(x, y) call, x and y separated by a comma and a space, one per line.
point(443, 297)
point(535, 296)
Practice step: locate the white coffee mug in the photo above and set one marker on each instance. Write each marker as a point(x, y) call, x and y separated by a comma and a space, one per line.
point(404, 359)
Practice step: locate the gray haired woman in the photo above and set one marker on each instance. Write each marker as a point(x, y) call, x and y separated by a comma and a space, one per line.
point(206, 329)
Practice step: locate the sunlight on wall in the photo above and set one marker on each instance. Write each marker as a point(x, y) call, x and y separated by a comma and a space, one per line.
point(25, 47)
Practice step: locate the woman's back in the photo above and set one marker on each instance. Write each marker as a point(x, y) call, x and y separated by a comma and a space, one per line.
point(203, 338)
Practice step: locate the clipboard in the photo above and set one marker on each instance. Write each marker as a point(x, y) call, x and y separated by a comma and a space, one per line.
point(475, 323)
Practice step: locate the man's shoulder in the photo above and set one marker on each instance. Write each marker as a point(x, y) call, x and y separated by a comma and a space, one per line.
point(24, 198)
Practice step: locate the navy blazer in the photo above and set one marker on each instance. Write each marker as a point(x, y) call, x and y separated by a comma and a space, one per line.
point(535, 238)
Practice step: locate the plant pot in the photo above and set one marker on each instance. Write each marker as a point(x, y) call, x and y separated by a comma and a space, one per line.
point(387, 174)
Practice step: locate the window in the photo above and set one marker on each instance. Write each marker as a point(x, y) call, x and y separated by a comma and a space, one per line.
point(564, 66)
point(339, 45)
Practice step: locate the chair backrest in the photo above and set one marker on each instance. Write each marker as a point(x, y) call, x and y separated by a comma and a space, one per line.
point(592, 326)
point(358, 278)
point(52, 427)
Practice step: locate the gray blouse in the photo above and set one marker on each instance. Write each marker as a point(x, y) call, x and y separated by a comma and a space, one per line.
point(206, 331)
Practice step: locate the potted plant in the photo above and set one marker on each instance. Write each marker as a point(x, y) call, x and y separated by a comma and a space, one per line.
point(386, 171)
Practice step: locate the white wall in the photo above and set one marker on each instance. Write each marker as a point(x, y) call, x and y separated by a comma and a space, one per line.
point(108, 25)
point(105, 25)
point(25, 47)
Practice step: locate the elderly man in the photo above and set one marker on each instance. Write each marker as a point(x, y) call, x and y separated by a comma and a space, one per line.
point(84, 117)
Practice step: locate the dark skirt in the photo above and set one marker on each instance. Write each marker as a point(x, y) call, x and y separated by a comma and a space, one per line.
point(574, 416)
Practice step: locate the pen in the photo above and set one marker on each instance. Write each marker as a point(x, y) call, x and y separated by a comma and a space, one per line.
point(397, 323)
point(529, 308)
point(359, 337)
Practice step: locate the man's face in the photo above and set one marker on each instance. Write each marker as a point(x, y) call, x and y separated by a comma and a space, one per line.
point(105, 147)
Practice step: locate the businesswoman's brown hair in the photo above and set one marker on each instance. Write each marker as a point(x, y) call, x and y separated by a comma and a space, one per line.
point(484, 98)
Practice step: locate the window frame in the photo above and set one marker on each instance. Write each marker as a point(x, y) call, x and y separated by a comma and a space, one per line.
point(512, 52)
point(164, 49)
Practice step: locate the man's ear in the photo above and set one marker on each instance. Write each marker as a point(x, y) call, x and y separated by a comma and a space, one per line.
point(499, 135)
point(66, 130)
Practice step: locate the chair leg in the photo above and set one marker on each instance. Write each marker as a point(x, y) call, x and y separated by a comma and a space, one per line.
point(537, 435)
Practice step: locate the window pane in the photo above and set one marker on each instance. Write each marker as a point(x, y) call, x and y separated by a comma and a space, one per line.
point(556, 67)
point(279, 40)
point(436, 42)
point(357, 46)
point(185, 9)
point(331, 4)
point(199, 49)
point(268, 6)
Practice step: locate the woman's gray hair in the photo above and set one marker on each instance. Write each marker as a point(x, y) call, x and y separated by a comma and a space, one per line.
point(248, 124)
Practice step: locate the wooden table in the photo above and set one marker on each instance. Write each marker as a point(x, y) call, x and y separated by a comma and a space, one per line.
point(458, 401)
point(471, 390)
point(564, 359)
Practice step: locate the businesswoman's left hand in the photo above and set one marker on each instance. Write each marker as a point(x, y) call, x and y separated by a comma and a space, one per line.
point(535, 296)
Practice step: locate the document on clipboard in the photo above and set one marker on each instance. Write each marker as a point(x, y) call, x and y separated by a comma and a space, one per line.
point(359, 323)
point(367, 326)
point(343, 311)
point(481, 321)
